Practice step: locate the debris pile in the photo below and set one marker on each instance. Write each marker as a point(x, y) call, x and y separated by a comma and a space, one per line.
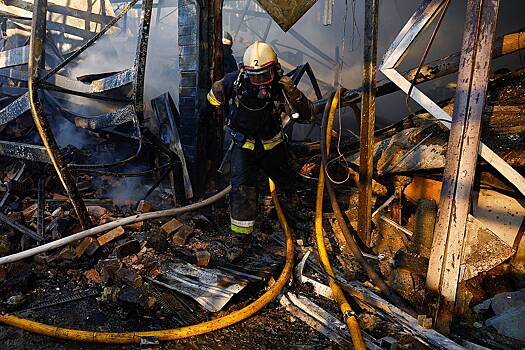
point(86, 190)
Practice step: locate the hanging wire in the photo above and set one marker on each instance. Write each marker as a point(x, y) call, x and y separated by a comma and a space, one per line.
point(340, 155)
point(136, 174)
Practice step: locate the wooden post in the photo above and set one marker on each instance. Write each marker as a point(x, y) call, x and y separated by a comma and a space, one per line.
point(367, 121)
point(463, 146)
point(217, 72)
point(35, 64)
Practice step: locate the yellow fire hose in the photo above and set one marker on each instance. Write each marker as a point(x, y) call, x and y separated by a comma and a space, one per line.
point(348, 314)
point(175, 333)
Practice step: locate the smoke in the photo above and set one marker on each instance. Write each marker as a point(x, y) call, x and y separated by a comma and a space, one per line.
point(116, 52)
point(343, 41)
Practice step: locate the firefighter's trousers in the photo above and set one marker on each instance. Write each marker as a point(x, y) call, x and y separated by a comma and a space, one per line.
point(245, 166)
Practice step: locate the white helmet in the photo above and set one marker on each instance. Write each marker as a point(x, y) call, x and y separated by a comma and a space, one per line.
point(227, 39)
point(259, 59)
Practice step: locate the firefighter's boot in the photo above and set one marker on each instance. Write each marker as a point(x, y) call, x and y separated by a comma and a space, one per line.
point(238, 246)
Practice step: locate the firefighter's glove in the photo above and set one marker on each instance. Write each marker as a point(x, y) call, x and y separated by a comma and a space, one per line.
point(292, 93)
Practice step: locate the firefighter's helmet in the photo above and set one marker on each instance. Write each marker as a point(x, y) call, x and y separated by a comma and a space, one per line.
point(259, 61)
point(227, 39)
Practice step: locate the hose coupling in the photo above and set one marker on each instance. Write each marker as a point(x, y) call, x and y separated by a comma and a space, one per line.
point(348, 314)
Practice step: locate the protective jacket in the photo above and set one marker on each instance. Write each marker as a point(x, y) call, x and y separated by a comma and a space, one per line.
point(255, 119)
point(230, 65)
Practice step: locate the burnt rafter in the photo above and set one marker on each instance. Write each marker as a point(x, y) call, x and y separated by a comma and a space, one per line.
point(38, 33)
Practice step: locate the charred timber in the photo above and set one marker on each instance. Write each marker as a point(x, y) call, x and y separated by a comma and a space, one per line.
point(217, 68)
point(40, 206)
point(38, 33)
point(366, 161)
point(33, 153)
point(462, 153)
point(140, 61)
point(19, 227)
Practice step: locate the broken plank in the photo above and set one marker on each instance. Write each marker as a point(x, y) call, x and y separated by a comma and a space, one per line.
point(312, 322)
point(429, 337)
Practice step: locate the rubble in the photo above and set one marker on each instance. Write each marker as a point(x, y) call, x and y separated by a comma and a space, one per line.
point(127, 249)
point(111, 235)
point(171, 226)
point(151, 269)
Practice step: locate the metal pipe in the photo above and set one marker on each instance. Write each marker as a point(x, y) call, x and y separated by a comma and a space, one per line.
point(36, 49)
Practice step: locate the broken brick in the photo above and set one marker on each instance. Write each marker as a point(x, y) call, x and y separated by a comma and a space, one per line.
point(137, 226)
point(144, 207)
point(128, 248)
point(202, 258)
point(92, 276)
point(5, 246)
point(108, 268)
point(171, 226)
point(29, 212)
point(66, 254)
point(89, 246)
point(96, 211)
point(128, 277)
point(182, 235)
point(111, 235)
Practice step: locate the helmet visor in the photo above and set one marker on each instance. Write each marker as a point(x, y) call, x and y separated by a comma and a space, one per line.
point(261, 77)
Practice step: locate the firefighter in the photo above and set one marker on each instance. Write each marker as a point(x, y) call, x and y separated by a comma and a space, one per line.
point(230, 65)
point(260, 97)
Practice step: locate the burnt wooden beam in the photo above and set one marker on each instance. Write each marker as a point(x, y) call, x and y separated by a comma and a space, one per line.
point(217, 72)
point(140, 61)
point(462, 154)
point(38, 33)
point(367, 121)
point(21, 228)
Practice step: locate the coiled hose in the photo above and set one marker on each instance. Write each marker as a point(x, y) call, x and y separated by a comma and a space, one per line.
point(326, 128)
point(346, 309)
point(175, 333)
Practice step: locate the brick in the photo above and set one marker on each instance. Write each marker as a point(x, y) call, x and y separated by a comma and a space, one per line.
point(128, 277)
point(137, 226)
point(96, 212)
point(29, 212)
point(89, 246)
point(202, 258)
point(127, 249)
point(171, 226)
point(108, 268)
point(92, 276)
point(182, 235)
point(111, 235)
point(144, 206)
